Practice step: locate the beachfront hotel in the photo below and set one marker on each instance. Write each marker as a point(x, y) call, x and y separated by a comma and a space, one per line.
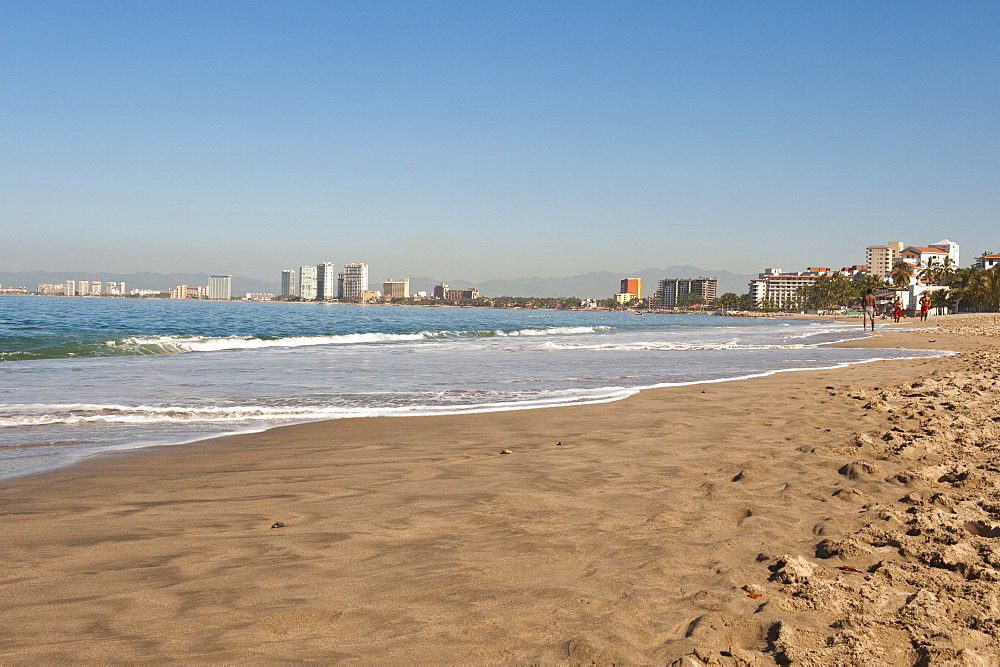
point(781, 290)
point(632, 286)
point(353, 281)
point(630, 289)
point(220, 288)
point(880, 258)
point(460, 294)
point(288, 286)
point(324, 282)
point(307, 283)
point(671, 288)
point(396, 289)
point(188, 292)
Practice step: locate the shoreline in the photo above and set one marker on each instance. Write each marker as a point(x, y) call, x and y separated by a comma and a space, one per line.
point(473, 409)
point(633, 540)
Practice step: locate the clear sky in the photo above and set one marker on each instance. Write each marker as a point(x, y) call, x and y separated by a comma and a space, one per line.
point(478, 140)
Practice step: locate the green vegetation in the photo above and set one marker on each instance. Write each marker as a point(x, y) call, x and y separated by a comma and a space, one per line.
point(837, 291)
point(974, 290)
point(732, 301)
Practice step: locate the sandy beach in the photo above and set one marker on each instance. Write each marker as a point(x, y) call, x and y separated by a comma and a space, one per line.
point(845, 516)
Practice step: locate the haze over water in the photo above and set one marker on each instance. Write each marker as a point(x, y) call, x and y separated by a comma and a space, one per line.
point(83, 376)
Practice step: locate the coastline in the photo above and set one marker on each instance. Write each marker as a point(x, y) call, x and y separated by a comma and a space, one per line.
point(414, 539)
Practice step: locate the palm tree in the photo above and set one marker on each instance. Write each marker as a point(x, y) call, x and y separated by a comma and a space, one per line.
point(963, 286)
point(930, 273)
point(900, 274)
point(991, 288)
point(947, 270)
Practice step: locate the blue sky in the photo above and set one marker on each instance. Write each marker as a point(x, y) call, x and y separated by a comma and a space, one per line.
point(482, 140)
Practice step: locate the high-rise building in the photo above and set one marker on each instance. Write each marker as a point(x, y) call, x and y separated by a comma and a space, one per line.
point(82, 287)
point(307, 283)
point(95, 287)
point(352, 281)
point(880, 258)
point(69, 288)
point(439, 290)
point(632, 286)
point(116, 288)
point(288, 283)
point(325, 285)
point(396, 289)
point(220, 288)
point(671, 288)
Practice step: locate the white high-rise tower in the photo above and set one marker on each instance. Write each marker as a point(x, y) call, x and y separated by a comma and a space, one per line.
point(353, 281)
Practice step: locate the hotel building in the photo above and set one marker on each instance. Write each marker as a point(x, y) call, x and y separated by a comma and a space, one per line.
point(184, 292)
point(325, 285)
point(396, 289)
point(460, 294)
point(69, 288)
point(782, 289)
point(352, 281)
point(919, 256)
point(220, 288)
point(880, 258)
point(307, 283)
point(440, 290)
point(671, 288)
point(288, 283)
point(632, 286)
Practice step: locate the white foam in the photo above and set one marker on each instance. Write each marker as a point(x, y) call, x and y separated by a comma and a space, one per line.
point(184, 344)
point(671, 346)
point(44, 415)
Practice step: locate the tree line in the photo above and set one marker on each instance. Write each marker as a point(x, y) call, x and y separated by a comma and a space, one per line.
point(971, 289)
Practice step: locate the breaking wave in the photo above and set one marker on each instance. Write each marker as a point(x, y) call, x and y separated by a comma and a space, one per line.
point(183, 344)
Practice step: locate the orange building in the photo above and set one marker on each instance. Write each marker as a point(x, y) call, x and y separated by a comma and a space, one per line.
point(632, 286)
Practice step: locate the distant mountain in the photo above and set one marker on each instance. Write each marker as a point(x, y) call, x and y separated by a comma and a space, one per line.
point(162, 281)
point(597, 284)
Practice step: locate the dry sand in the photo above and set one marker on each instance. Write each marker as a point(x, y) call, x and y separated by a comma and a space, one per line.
point(705, 524)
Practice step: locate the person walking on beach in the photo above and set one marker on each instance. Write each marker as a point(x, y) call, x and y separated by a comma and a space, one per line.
point(897, 309)
point(925, 305)
point(870, 306)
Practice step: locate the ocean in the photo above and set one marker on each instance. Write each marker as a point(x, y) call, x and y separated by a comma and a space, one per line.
point(81, 376)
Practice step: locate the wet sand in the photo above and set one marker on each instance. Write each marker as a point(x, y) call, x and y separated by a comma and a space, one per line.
point(706, 525)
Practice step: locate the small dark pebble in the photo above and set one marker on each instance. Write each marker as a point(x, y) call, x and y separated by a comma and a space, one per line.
point(278, 524)
point(559, 444)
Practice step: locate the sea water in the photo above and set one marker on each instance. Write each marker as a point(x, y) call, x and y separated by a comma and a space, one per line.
point(80, 376)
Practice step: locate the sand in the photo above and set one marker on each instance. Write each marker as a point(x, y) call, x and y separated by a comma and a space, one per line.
point(694, 525)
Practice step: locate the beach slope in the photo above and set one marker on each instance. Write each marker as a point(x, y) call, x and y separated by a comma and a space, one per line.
point(835, 516)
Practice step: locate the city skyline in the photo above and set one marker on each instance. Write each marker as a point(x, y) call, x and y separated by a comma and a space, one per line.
point(491, 141)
